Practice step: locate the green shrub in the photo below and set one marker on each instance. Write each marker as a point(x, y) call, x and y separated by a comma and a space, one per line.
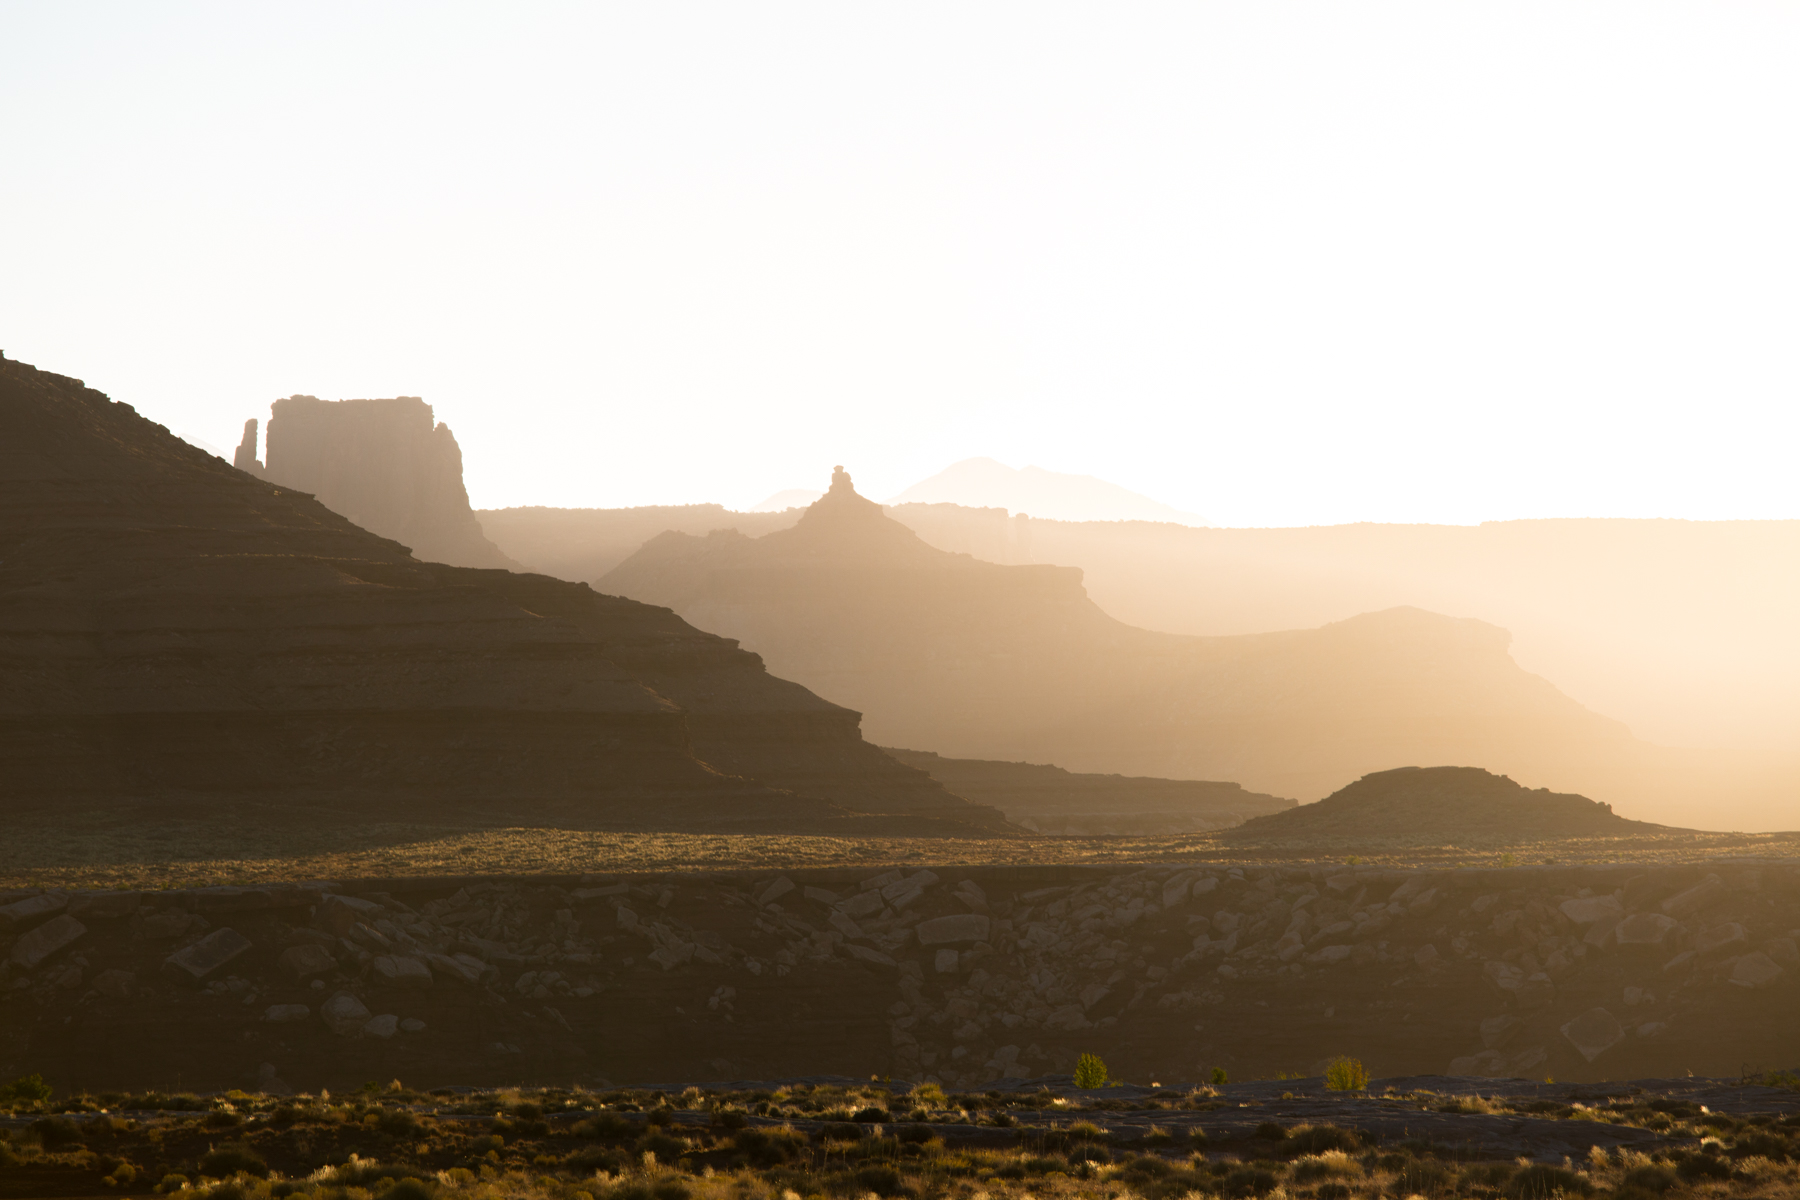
point(930, 1095)
point(1220, 1077)
point(769, 1147)
point(1271, 1131)
point(730, 1118)
point(222, 1162)
point(1247, 1181)
point(409, 1188)
point(1488, 1175)
point(1650, 1178)
point(1090, 1072)
point(172, 1183)
point(1703, 1166)
point(56, 1132)
point(608, 1127)
point(872, 1116)
point(881, 1179)
point(666, 1148)
point(1424, 1177)
point(26, 1089)
point(1346, 1075)
point(400, 1122)
point(1317, 1139)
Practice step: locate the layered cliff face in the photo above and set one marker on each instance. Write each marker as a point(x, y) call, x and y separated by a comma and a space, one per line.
point(171, 626)
point(385, 464)
point(1065, 803)
point(976, 660)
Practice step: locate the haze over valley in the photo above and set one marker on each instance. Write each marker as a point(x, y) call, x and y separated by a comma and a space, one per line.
point(851, 603)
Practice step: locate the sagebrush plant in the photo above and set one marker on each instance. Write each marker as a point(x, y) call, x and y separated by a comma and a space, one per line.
point(1346, 1075)
point(1090, 1072)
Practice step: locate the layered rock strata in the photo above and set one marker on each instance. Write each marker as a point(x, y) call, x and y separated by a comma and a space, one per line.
point(963, 975)
point(1054, 801)
point(172, 626)
point(971, 659)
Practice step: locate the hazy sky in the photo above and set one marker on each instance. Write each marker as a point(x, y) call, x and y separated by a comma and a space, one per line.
point(1274, 263)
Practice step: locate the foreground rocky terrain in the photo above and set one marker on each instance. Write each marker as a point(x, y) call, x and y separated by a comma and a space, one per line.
point(836, 1137)
point(176, 634)
point(962, 976)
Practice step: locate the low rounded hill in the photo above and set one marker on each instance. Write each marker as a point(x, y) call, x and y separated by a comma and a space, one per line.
point(1439, 806)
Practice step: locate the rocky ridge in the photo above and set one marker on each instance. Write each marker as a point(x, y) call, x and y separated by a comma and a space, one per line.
point(956, 974)
point(176, 630)
point(970, 659)
point(1050, 800)
point(1439, 806)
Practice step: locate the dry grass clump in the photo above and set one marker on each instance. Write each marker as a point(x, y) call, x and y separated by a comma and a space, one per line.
point(95, 850)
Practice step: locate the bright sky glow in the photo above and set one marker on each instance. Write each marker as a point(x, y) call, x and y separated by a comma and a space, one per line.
point(1276, 263)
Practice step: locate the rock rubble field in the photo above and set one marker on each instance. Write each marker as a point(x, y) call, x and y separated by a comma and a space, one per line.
point(961, 976)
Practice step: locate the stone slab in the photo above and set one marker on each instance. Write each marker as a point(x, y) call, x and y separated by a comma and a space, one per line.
point(194, 963)
point(40, 943)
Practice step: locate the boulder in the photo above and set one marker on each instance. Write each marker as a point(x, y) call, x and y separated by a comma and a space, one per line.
point(193, 963)
point(1427, 956)
point(672, 955)
point(821, 896)
point(775, 890)
point(1644, 929)
point(911, 885)
point(339, 913)
point(844, 925)
point(412, 1025)
point(384, 1026)
point(864, 904)
point(344, 1014)
point(1785, 951)
point(104, 905)
point(1755, 971)
point(39, 944)
point(867, 955)
point(396, 970)
point(32, 909)
point(961, 927)
point(1093, 994)
point(1601, 932)
point(1497, 1031)
point(1684, 904)
point(1331, 954)
point(1593, 1033)
point(1721, 940)
point(280, 1013)
point(946, 962)
point(115, 983)
point(1585, 910)
point(594, 893)
point(306, 960)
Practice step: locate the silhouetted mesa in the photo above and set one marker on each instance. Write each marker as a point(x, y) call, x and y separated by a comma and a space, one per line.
point(1051, 800)
point(385, 464)
point(972, 659)
point(1438, 806)
point(175, 628)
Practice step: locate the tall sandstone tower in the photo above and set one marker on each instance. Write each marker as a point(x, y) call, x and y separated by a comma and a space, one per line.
point(387, 465)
